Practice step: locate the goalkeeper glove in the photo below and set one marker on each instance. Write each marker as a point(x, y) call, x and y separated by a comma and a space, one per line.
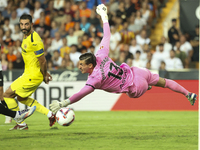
point(56, 105)
point(102, 11)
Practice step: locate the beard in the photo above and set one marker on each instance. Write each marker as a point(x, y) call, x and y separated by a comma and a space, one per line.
point(26, 31)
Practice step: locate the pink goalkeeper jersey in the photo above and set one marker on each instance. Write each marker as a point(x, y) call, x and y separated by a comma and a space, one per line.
point(106, 75)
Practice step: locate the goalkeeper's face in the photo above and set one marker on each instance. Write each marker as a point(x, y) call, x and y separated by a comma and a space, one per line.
point(84, 68)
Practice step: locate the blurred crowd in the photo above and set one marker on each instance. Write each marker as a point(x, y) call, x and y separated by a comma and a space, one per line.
point(69, 28)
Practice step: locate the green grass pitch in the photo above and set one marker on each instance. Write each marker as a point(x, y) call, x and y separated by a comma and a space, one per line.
point(109, 130)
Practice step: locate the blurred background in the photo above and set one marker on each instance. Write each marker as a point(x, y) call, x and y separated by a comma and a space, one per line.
point(161, 35)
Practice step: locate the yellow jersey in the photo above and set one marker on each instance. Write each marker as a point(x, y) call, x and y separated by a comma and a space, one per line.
point(32, 47)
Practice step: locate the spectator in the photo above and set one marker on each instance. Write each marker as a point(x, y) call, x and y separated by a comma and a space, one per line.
point(167, 46)
point(160, 55)
point(69, 23)
point(173, 33)
point(54, 29)
point(142, 38)
point(121, 12)
point(76, 17)
point(47, 19)
point(93, 19)
point(145, 11)
point(50, 66)
point(67, 8)
point(11, 57)
point(137, 62)
point(79, 45)
point(182, 55)
point(132, 26)
point(173, 62)
point(84, 25)
point(115, 39)
point(60, 16)
point(58, 4)
point(10, 65)
point(91, 49)
point(7, 25)
point(122, 58)
point(18, 46)
point(71, 38)
point(22, 9)
point(113, 6)
point(56, 43)
point(195, 44)
point(3, 5)
point(37, 10)
point(14, 19)
point(126, 35)
point(19, 62)
point(96, 44)
point(151, 63)
point(77, 30)
point(63, 65)
point(7, 38)
point(74, 55)
point(135, 47)
point(125, 48)
point(86, 42)
point(6, 13)
point(4, 62)
point(62, 31)
point(84, 11)
point(186, 47)
point(65, 49)
point(56, 59)
point(69, 63)
point(139, 21)
point(42, 29)
point(17, 35)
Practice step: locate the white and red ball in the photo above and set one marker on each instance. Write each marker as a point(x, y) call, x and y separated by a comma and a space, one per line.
point(65, 116)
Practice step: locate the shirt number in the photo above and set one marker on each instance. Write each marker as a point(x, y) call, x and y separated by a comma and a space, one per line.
point(116, 68)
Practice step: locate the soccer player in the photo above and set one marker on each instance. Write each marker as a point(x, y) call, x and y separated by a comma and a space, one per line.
point(18, 116)
point(34, 73)
point(106, 75)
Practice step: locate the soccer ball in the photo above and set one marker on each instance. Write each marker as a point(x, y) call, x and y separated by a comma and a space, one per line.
point(65, 116)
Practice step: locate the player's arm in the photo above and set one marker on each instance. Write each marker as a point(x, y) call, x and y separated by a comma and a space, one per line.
point(56, 105)
point(43, 68)
point(105, 42)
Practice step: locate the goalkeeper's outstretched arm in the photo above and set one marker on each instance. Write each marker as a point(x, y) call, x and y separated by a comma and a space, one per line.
point(105, 43)
point(56, 105)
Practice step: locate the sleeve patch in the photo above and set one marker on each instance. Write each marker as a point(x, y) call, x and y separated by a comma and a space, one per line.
point(41, 51)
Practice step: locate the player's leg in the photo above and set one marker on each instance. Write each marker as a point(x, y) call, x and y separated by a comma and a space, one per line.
point(40, 108)
point(9, 95)
point(174, 86)
point(18, 116)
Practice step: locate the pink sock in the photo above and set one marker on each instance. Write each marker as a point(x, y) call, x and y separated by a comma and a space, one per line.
point(174, 86)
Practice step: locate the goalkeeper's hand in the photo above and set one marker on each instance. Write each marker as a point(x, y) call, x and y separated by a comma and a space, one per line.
point(102, 11)
point(56, 105)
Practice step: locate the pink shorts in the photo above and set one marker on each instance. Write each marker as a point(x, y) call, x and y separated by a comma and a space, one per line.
point(142, 78)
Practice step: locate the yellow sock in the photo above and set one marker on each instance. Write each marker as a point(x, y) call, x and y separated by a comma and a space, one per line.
point(12, 104)
point(32, 102)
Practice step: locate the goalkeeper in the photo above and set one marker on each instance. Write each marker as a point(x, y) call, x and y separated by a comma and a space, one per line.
point(106, 75)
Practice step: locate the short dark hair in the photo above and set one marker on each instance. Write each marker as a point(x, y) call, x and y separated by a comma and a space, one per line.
point(174, 20)
point(26, 16)
point(89, 58)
